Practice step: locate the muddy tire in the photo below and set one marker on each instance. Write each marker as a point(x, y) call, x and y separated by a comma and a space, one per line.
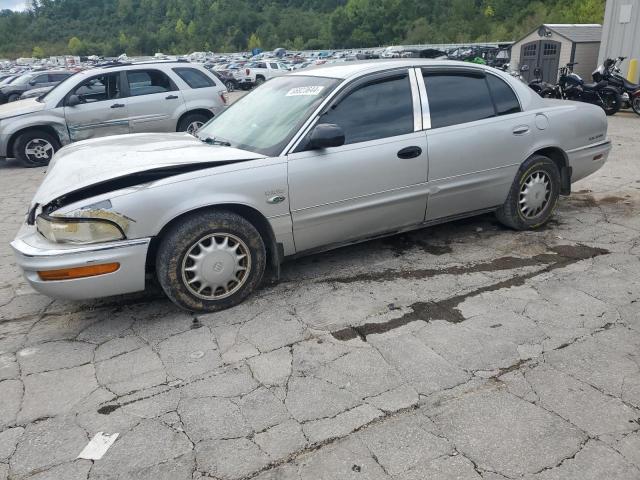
point(35, 148)
point(210, 261)
point(533, 196)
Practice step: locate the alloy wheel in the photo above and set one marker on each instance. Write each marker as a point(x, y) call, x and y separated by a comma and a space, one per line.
point(38, 150)
point(193, 127)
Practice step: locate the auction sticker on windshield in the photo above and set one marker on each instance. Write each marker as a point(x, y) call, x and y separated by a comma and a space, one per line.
point(300, 91)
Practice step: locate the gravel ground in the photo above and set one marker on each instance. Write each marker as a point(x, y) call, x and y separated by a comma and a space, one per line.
point(464, 351)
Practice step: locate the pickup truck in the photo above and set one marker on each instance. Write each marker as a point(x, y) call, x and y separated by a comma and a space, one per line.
point(257, 73)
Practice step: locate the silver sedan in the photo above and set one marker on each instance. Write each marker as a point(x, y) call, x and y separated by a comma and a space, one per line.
point(309, 161)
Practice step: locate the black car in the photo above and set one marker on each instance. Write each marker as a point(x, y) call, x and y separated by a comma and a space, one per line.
point(227, 78)
point(12, 91)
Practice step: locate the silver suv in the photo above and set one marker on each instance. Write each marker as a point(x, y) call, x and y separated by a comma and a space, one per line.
point(114, 99)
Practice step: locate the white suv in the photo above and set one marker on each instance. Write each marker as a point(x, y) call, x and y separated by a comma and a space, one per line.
point(113, 99)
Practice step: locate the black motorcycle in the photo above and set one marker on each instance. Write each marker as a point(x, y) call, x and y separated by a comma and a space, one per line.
point(610, 72)
point(570, 86)
point(544, 89)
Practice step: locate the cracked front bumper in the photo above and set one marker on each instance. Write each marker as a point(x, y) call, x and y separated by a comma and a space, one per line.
point(34, 253)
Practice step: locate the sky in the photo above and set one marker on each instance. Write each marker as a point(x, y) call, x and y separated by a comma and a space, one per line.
point(12, 4)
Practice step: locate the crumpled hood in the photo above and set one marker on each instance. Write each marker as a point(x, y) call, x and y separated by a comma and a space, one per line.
point(20, 107)
point(90, 162)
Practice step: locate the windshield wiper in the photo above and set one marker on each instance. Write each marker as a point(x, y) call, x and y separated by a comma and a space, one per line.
point(215, 141)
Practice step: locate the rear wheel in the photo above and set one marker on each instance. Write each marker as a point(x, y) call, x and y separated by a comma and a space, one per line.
point(35, 148)
point(533, 195)
point(210, 261)
point(259, 81)
point(611, 101)
point(192, 122)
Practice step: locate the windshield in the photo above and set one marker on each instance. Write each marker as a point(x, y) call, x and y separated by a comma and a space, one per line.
point(23, 79)
point(7, 80)
point(266, 119)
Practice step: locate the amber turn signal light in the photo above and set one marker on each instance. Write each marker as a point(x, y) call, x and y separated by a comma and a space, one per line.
point(78, 272)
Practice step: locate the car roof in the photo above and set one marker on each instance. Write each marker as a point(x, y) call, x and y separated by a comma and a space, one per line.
point(346, 70)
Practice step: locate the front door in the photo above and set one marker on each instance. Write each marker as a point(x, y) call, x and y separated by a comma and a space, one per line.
point(102, 110)
point(543, 55)
point(376, 182)
point(478, 138)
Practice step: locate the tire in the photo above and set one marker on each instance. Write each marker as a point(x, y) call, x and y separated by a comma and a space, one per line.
point(191, 122)
point(259, 81)
point(534, 171)
point(611, 101)
point(13, 97)
point(230, 86)
point(178, 273)
point(35, 148)
point(635, 103)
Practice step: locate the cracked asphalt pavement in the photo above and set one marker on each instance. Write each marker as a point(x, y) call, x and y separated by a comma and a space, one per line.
point(463, 351)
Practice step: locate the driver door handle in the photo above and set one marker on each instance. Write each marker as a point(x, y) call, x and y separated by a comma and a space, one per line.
point(117, 105)
point(410, 152)
point(171, 97)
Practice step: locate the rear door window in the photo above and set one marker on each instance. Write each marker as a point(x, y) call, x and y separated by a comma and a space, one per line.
point(504, 99)
point(194, 78)
point(148, 82)
point(457, 97)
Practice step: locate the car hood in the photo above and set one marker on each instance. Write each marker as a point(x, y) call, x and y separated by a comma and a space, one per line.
point(20, 107)
point(99, 161)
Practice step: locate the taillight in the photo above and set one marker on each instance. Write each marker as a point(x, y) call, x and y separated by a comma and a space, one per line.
point(224, 97)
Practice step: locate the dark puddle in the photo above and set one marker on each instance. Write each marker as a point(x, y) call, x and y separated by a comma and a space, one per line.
point(559, 257)
point(401, 244)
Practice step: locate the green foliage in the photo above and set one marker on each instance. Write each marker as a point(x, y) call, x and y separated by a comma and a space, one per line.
point(112, 27)
point(37, 52)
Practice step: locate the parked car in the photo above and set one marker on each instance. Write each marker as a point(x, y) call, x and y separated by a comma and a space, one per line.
point(308, 161)
point(228, 78)
point(35, 92)
point(110, 100)
point(28, 81)
point(259, 72)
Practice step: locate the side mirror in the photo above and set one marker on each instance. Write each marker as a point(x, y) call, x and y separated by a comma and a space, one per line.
point(73, 100)
point(32, 82)
point(524, 68)
point(325, 135)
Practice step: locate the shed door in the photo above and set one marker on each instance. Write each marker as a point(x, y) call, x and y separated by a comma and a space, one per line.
point(542, 54)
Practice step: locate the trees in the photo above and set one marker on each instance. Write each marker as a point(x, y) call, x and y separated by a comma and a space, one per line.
point(110, 27)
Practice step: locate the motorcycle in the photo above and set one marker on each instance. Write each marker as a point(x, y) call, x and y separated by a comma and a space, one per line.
point(571, 86)
point(544, 89)
point(610, 72)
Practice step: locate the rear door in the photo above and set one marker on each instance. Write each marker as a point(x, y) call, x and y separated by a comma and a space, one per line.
point(103, 108)
point(155, 102)
point(477, 140)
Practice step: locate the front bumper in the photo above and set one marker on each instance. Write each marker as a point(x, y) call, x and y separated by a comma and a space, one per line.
point(34, 253)
point(586, 160)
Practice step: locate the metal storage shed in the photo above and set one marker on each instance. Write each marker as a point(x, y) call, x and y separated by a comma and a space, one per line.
point(621, 32)
point(553, 45)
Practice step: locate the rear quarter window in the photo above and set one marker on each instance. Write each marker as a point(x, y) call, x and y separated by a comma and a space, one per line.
point(194, 78)
point(504, 99)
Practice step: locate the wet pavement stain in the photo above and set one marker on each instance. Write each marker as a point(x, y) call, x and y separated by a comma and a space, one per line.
point(401, 244)
point(560, 256)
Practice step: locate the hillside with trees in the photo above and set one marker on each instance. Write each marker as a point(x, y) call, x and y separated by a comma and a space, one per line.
point(111, 27)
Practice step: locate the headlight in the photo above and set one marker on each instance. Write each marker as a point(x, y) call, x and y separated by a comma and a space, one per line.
point(78, 230)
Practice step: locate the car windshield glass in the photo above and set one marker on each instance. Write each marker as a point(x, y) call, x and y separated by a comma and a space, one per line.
point(266, 119)
point(71, 79)
point(7, 80)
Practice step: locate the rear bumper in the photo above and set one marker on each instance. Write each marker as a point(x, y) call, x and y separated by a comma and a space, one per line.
point(130, 277)
point(586, 160)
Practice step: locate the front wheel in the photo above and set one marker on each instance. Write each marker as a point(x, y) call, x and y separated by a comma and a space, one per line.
point(35, 148)
point(210, 261)
point(230, 86)
point(533, 195)
point(13, 98)
point(635, 103)
point(611, 101)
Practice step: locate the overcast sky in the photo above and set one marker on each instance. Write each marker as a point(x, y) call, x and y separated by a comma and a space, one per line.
point(12, 4)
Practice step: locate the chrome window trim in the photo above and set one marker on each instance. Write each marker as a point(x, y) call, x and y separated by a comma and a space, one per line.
point(424, 99)
point(415, 98)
